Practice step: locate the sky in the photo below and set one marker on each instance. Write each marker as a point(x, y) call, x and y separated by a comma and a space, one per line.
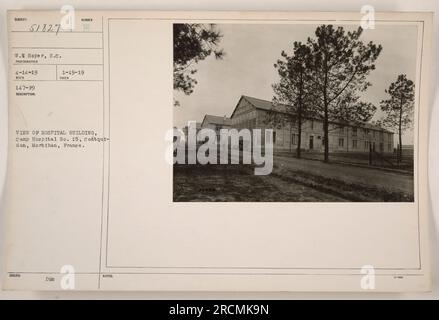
point(252, 49)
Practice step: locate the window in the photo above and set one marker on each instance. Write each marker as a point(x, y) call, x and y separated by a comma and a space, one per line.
point(389, 147)
point(312, 124)
point(294, 139)
point(381, 135)
point(341, 130)
point(340, 142)
point(354, 144)
point(274, 137)
point(366, 145)
point(354, 132)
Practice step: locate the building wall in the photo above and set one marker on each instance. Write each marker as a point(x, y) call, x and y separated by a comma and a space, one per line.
point(341, 139)
point(245, 116)
point(215, 127)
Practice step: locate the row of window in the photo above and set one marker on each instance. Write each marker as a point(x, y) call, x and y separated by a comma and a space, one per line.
point(251, 124)
point(341, 142)
point(342, 131)
point(367, 144)
point(354, 133)
point(367, 133)
point(354, 130)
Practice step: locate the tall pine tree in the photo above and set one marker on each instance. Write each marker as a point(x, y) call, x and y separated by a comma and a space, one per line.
point(340, 63)
point(398, 108)
point(292, 94)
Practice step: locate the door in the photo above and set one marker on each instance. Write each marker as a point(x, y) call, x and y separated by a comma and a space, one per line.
point(311, 142)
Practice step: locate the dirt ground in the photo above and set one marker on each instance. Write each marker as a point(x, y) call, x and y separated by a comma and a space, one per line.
point(292, 180)
point(237, 183)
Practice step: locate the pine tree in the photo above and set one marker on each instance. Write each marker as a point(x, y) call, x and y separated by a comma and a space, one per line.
point(340, 63)
point(398, 108)
point(292, 92)
point(192, 44)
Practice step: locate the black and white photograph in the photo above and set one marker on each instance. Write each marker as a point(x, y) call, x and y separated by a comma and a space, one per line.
point(231, 151)
point(292, 112)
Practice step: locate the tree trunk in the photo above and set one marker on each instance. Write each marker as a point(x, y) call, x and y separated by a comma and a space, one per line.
point(400, 142)
point(400, 135)
point(299, 122)
point(325, 120)
point(291, 135)
point(325, 133)
point(299, 134)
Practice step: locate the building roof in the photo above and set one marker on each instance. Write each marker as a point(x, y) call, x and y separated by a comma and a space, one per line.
point(197, 125)
point(269, 106)
point(264, 104)
point(208, 118)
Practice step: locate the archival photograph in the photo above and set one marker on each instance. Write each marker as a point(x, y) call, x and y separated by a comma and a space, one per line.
point(294, 112)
